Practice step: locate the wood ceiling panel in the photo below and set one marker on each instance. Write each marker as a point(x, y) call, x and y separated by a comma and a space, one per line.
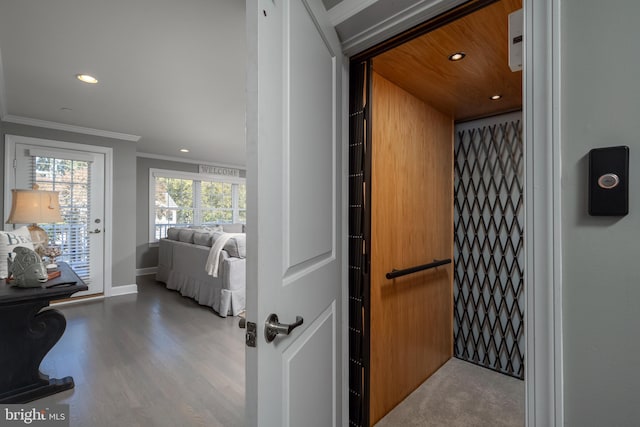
point(461, 89)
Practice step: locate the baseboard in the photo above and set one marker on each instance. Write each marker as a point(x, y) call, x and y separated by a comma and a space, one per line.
point(145, 271)
point(115, 291)
point(124, 290)
point(77, 300)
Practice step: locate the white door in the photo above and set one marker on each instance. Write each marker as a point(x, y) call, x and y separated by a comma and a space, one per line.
point(295, 213)
point(78, 176)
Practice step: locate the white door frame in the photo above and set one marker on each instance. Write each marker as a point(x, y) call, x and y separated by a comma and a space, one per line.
point(543, 235)
point(10, 143)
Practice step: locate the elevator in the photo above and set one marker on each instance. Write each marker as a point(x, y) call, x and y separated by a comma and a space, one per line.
point(436, 207)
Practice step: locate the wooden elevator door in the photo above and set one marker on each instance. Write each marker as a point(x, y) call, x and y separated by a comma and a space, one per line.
point(411, 224)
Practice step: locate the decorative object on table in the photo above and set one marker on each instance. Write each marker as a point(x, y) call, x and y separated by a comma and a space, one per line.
point(52, 252)
point(8, 241)
point(32, 207)
point(27, 268)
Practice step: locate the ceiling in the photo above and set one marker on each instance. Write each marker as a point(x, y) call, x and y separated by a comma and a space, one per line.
point(461, 89)
point(170, 72)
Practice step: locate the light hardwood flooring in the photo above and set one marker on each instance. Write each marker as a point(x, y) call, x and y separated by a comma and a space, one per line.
point(151, 359)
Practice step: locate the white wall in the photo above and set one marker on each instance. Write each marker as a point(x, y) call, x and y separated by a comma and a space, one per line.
point(600, 107)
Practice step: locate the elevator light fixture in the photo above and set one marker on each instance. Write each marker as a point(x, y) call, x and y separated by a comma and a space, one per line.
point(86, 78)
point(457, 56)
point(495, 97)
point(184, 150)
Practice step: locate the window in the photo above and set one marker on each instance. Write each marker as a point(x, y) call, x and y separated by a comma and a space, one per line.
point(79, 178)
point(71, 178)
point(182, 199)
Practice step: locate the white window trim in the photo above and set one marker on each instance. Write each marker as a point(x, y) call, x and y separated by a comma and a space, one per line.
point(197, 177)
point(194, 176)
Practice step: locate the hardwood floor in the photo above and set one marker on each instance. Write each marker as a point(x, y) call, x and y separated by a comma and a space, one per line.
point(151, 359)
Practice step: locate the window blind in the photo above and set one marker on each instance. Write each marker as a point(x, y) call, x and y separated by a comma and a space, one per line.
point(72, 179)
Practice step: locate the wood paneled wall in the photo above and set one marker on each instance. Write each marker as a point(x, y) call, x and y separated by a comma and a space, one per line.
point(411, 224)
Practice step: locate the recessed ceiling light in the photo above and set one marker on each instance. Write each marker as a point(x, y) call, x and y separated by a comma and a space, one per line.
point(86, 78)
point(184, 150)
point(457, 56)
point(495, 97)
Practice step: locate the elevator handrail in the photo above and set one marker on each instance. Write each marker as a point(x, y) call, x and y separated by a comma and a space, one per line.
point(398, 273)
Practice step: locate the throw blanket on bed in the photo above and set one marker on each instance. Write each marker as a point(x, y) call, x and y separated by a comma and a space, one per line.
point(214, 254)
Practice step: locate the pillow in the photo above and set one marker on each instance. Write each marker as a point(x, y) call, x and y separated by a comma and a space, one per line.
point(209, 227)
point(217, 234)
point(203, 238)
point(186, 235)
point(236, 247)
point(10, 240)
point(172, 233)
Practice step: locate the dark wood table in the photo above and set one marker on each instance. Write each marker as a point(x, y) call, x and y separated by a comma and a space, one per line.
point(28, 332)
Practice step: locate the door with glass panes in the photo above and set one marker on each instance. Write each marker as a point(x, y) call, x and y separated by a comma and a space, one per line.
point(78, 176)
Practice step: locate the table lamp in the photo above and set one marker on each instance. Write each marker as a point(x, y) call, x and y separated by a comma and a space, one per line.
point(32, 207)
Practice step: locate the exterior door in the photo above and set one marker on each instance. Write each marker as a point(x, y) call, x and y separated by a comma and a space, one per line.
point(295, 214)
point(78, 176)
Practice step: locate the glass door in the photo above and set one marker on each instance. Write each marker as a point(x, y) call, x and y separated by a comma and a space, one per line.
point(79, 179)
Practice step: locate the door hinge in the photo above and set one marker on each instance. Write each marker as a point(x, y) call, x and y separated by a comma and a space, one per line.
point(15, 163)
point(250, 336)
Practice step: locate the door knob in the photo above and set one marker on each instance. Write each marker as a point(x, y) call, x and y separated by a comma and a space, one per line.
point(273, 328)
point(96, 231)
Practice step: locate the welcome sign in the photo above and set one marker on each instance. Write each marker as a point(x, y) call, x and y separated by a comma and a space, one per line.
point(219, 170)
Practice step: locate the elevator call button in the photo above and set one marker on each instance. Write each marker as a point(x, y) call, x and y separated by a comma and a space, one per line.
point(608, 181)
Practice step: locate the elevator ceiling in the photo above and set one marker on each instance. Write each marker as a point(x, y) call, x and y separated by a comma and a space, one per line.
point(461, 88)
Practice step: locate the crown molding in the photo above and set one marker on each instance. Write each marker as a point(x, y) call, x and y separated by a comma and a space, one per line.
point(69, 128)
point(415, 14)
point(191, 161)
point(346, 9)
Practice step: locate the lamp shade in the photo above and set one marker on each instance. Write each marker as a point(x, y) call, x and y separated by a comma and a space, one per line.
point(34, 206)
